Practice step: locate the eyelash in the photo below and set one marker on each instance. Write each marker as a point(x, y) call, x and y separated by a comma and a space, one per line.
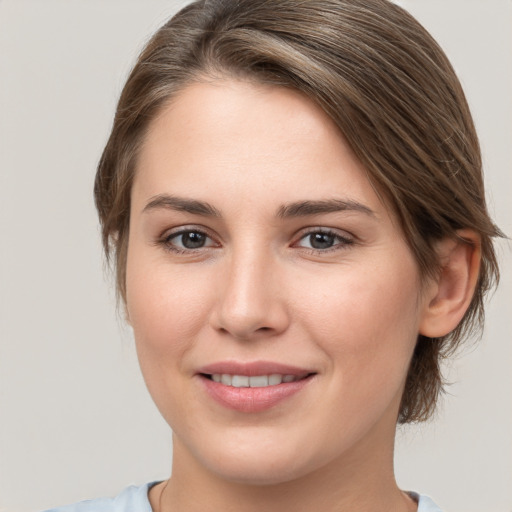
point(341, 242)
point(166, 239)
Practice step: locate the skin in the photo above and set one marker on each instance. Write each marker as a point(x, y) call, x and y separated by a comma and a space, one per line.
point(257, 290)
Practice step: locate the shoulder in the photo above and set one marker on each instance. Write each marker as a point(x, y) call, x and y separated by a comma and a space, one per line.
point(425, 504)
point(136, 498)
point(132, 498)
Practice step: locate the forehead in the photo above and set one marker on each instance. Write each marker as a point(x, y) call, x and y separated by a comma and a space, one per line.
point(232, 137)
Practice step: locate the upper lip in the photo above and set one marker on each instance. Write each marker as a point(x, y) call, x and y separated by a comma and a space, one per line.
point(253, 368)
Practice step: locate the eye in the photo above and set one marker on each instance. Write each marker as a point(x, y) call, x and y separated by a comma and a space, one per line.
point(322, 240)
point(187, 240)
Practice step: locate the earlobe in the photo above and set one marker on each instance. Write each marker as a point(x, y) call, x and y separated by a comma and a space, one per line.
point(449, 295)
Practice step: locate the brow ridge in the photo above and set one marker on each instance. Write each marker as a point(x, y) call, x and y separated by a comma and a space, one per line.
point(311, 207)
point(295, 209)
point(181, 204)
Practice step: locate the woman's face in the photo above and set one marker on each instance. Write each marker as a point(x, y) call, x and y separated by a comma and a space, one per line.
point(259, 255)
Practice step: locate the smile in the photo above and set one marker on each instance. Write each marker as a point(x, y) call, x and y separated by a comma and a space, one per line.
point(254, 381)
point(253, 387)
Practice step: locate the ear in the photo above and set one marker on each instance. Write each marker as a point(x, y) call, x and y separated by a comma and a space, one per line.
point(448, 295)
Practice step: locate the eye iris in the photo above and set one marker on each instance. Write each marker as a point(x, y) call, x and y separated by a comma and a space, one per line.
point(193, 240)
point(321, 240)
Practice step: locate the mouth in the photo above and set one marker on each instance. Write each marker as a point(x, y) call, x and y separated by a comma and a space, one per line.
point(253, 387)
point(254, 381)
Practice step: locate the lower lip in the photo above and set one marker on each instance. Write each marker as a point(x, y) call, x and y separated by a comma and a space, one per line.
point(252, 399)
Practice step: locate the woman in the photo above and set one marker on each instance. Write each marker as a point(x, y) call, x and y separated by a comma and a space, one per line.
point(293, 200)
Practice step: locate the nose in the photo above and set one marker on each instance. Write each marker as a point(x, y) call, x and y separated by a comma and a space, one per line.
point(251, 301)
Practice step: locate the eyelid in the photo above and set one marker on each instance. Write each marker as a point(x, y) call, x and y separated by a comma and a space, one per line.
point(345, 237)
point(167, 235)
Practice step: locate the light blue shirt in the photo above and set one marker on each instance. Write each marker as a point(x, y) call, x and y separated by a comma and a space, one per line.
point(135, 499)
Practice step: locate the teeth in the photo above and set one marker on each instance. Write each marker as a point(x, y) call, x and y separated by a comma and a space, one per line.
point(259, 381)
point(225, 379)
point(240, 381)
point(274, 379)
point(256, 381)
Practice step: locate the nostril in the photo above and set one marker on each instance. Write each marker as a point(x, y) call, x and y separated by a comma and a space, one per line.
point(243, 318)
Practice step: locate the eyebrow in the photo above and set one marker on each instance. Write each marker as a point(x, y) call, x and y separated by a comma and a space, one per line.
point(295, 209)
point(305, 208)
point(181, 204)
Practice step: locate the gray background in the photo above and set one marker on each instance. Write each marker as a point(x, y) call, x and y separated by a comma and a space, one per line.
point(76, 421)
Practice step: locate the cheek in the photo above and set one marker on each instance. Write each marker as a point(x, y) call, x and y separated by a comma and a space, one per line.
point(166, 308)
point(166, 311)
point(366, 322)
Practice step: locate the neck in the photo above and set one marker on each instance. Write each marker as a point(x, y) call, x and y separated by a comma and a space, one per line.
point(349, 483)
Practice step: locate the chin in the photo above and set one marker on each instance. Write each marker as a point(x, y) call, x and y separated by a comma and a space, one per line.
point(261, 473)
point(260, 463)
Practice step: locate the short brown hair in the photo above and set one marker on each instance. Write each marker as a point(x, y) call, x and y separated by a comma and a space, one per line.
point(386, 84)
